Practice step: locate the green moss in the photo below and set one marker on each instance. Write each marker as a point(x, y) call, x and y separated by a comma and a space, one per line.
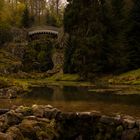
point(136, 82)
point(64, 77)
point(4, 82)
point(135, 73)
point(99, 136)
point(119, 129)
point(8, 60)
point(107, 136)
point(48, 130)
point(128, 78)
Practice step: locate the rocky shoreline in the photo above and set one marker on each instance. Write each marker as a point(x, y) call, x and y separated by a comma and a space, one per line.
point(47, 123)
point(11, 92)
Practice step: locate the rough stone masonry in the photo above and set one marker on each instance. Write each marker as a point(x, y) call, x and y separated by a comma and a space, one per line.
point(41, 122)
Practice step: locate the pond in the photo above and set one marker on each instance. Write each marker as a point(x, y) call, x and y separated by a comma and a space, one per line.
point(74, 98)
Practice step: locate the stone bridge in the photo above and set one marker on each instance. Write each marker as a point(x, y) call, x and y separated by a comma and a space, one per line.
point(39, 32)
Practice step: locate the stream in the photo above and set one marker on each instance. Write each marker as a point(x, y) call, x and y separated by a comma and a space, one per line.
point(78, 98)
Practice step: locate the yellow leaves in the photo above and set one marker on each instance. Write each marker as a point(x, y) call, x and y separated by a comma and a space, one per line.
point(20, 8)
point(12, 15)
point(6, 14)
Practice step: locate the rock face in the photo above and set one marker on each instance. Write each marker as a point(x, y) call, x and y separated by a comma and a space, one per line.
point(17, 49)
point(19, 35)
point(58, 59)
point(47, 123)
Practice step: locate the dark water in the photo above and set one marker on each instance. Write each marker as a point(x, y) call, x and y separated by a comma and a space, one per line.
point(69, 98)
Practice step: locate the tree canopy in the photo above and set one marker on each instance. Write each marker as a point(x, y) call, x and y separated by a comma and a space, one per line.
point(104, 36)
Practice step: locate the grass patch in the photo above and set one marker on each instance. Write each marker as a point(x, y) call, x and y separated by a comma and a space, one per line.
point(64, 77)
point(25, 84)
point(4, 82)
point(130, 78)
point(19, 83)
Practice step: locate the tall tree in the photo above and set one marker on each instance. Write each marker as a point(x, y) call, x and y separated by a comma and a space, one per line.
point(54, 12)
point(87, 36)
point(133, 36)
point(118, 57)
point(25, 18)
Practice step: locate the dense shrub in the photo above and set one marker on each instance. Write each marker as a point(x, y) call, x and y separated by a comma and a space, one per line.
point(5, 33)
point(38, 57)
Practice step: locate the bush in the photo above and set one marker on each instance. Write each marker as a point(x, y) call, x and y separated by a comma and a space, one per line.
point(38, 57)
point(5, 34)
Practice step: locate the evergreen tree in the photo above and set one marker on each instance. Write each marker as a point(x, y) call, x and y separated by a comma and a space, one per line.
point(118, 47)
point(5, 34)
point(87, 37)
point(25, 18)
point(133, 36)
point(98, 42)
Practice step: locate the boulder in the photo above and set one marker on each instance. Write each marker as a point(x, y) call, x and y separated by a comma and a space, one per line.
point(38, 128)
point(119, 131)
point(3, 111)
point(129, 122)
point(25, 111)
point(130, 134)
point(138, 124)
point(28, 128)
point(107, 120)
point(38, 110)
point(15, 133)
point(13, 118)
point(95, 113)
point(4, 136)
point(51, 113)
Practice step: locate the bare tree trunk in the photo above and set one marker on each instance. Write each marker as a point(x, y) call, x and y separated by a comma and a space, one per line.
point(57, 6)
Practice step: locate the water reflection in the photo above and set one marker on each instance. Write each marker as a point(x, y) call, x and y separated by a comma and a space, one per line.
point(74, 98)
point(72, 93)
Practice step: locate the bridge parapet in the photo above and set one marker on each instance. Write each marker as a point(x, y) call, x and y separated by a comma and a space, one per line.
point(43, 30)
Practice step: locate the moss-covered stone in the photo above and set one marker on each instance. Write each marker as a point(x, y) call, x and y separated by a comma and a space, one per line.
point(15, 133)
point(22, 123)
